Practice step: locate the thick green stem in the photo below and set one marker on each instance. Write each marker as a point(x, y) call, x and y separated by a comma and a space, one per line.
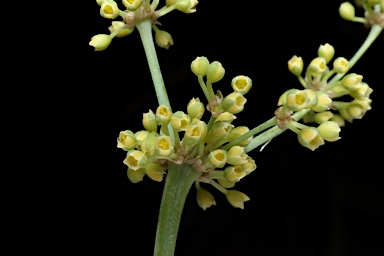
point(145, 30)
point(373, 34)
point(273, 132)
point(178, 181)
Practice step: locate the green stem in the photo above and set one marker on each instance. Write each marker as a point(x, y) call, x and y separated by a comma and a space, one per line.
point(145, 30)
point(273, 132)
point(203, 87)
point(301, 80)
point(250, 133)
point(373, 34)
point(177, 184)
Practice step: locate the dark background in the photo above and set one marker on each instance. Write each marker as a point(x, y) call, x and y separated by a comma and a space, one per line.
point(327, 202)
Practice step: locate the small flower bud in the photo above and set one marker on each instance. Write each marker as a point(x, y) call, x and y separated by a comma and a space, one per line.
point(234, 173)
point(326, 51)
point(345, 115)
point(163, 39)
point(195, 133)
point(200, 66)
point(225, 117)
point(283, 98)
point(154, 171)
point(236, 198)
point(297, 100)
point(117, 25)
point(135, 176)
point(126, 140)
point(361, 92)
point(347, 11)
point(295, 65)
point(352, 81)
point(186, 6)
point(317, 66)
point(180, 121)
point(109, 9)
point(249, 166)
point(329, 131)
point(149, 121)
point(365, 103)
point(215, 72)
point(148, 144)
point(355, 111)
point(100, 42)
point(216, 159)
point(338, 119)
point(341, 65)
point(323, 102)
point(225, 183)
point(234, 103)
point(218, 131)
point(322, 117)
point(135, 159)
point(140, 136)
point(132, 5)
point(204, 199)
point(163, 115)
point(195, 108)
point(237, 132)
point(163, 145)
point(312, 97)
point(241, 84)
point(235, 155)
point(310, 138)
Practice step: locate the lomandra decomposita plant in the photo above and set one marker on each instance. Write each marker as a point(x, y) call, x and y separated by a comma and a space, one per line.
point(202, 146)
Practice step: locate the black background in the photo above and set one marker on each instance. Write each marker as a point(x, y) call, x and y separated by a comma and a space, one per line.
point(327, 202)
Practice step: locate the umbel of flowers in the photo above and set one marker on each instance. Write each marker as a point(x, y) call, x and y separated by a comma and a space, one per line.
point(195, 142)
point(318, 98)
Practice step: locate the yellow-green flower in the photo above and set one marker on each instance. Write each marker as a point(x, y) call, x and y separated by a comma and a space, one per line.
point(100, 42)
point(200, 66)
point(135, 159)
point(295, 65)
point(241, 84)
point(310, 138)
point(329, 131)
point(163, 39)
point(118, 26)
point(236, 198)
point(126, 140)
point(109, 9)
point(204, 199)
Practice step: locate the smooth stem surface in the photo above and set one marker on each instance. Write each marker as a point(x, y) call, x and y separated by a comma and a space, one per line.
point(145, 30)
point(373, 34)
point(178, 182)
point(250, 133)
point(272, 133)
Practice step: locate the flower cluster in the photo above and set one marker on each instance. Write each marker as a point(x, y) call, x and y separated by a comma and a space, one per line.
point(318, 95)
point(136, 11)
point(181, 137)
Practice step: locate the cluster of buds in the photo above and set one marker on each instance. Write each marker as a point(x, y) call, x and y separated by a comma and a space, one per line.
point(373, 12)
point(136, 11)
point(318, 96)
point(184, 138)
